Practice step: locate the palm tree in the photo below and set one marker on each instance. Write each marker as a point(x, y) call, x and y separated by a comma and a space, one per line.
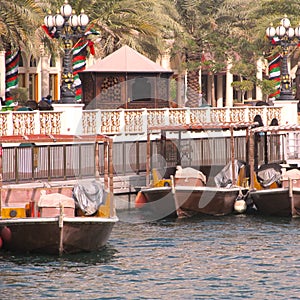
point(19, 20)
point(187, 47)
point(142, 24)
point(220, 28)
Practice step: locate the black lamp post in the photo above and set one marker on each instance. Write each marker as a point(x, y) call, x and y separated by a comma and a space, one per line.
point(285, 36)
point(69, 27)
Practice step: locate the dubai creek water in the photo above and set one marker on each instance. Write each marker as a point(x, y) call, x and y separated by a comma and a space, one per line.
point(232, 257)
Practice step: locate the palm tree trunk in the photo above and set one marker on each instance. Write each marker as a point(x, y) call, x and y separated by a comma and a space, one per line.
point(193, 88)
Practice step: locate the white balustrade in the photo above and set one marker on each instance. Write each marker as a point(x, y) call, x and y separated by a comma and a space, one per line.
point(122, 122)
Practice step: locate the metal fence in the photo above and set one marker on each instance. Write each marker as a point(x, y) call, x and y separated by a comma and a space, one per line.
point(27, 162)
point(51, 162)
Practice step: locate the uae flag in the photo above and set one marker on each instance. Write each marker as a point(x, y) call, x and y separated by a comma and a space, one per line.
point(79, 52)
point(11, 71)
point(274, 73)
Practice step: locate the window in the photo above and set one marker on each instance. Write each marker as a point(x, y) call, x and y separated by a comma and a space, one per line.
point(32, 62)
point(141, 89)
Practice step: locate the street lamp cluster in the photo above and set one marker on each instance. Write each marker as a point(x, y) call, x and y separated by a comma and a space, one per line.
point(285, 36)
point(69, 27)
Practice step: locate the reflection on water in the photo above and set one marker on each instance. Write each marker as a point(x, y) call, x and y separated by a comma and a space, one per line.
point(104, 255)
point(228, 257)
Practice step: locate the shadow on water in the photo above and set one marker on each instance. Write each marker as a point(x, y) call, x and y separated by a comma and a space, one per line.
point(103, 256)
point(134, 216)
point(254, 221)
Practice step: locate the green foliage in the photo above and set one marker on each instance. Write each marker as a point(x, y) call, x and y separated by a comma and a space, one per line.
point(213, 66)
point(173, 89)
point(19, 95)
point(267, 87)
point(243, 69)
point(19, 21)
point(149, 26)
point(243, 86)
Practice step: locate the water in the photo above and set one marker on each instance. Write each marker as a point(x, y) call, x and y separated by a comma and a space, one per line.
point(234, 257)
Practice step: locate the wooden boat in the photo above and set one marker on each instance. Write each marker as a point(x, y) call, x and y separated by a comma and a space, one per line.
point(53, 218)
point(199, 198)
point(281, 196)
point(189, 194)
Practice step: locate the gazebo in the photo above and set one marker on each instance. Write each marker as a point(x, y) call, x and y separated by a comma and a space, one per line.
point(125, 79)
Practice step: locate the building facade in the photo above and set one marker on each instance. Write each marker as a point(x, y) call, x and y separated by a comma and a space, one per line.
point(42, 76)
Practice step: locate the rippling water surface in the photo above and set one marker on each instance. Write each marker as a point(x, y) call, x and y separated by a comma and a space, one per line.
point(200, 258)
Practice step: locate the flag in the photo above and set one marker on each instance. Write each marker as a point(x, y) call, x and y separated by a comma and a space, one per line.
point(274, 63)
point(91, 46)
point(11, 71)
point(92, 31)
point(49, 33)
point(275, 40)
point(79, 52)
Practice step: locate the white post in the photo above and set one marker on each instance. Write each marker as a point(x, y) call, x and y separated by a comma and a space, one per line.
point(289, 113)
point(229, 88)
point(259, 76)
point(219, 91)
point(71, 120)
point(44, 67)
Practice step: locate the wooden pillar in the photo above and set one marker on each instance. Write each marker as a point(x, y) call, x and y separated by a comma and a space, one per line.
point(111, 177)
point(148, 159)
point(97, 166)
point(106, 184)
point(247, 145)
point(232, 155)
point(251, 159)
point(266, 148)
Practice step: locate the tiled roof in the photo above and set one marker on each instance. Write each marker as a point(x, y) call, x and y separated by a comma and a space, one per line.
point(126, 60)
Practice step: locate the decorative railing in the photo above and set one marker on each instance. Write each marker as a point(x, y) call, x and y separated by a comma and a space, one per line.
point(89, 122)
point(124, 122)
point(137, 120)
point(30, 122)
point(50, 122)
point(4, 124)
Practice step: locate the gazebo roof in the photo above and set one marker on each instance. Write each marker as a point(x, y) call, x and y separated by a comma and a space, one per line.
point(126, 60)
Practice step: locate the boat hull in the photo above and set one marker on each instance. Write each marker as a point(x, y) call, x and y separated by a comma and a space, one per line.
point(207, 200)
point(46, 236)
point(192, 199)
point(277, 202)
point(159, 202)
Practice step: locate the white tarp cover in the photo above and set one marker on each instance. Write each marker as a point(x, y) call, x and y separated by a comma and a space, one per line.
point(224, 177)
point(89, 196)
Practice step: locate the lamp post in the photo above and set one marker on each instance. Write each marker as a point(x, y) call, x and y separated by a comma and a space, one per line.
point(285, 36)
point(69, 27)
